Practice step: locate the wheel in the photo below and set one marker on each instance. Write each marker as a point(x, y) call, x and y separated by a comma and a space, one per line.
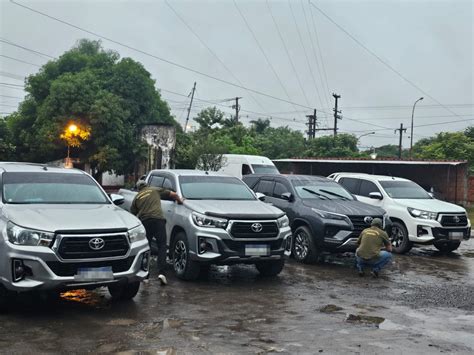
point(304, 248)
point(446, 247)
point(124, 292)
point(270, 268)
point(184, 267)
point(399, 238)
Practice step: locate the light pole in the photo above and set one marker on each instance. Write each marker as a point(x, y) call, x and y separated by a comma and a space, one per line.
point(72, 128)
point(411, 131)
point(363, 135)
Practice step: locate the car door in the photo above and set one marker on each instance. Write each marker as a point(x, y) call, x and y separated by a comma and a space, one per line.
point(169, 206)
point(281, 187)
point(265, 186)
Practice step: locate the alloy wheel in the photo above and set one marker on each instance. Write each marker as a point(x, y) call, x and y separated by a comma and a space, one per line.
point(301, 245)
point(397, 236)
point(180, 256)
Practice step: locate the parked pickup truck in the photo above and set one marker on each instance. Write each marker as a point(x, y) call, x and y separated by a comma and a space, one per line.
point(323, 215)
point(59, 230)
point(221, 222)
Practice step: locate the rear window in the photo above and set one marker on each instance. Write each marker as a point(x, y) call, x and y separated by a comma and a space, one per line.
point(264, 169)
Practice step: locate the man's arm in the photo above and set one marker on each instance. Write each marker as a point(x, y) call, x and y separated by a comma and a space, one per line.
point(386, 242)
point(170, 195)
point(174, 196)
point(133, 207)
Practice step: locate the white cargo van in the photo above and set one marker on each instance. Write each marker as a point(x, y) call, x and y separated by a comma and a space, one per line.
point(239, 165)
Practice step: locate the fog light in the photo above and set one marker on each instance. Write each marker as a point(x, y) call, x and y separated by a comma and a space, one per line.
point(288, 243)
point(146, 261)
point(420, 231)
point(204, 246)
point(18, 269)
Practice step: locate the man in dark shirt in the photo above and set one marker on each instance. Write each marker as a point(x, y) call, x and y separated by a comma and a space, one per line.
point(369, 252)
point(147, 207)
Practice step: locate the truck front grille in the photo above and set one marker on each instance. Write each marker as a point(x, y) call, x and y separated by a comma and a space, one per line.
point(70, 269)
point(244, 230)
point(81, 247)
point(454, 220)
point(359, 223)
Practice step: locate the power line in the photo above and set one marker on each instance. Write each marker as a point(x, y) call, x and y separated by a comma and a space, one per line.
point(287, 53)
point(19, 60)
point(263, 52)
point(26, 49)
point(157, 57)
point(11, 75)
point(12, 97)
point(210, 50)
point(381, 60)
point(423, 125)
point(407, 118)
point(13, 86)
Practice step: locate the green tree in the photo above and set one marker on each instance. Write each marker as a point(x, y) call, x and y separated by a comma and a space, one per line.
point(93, 88)
point(6, 147)
point(280, 142)
point(343, 145)
point(209, 118)
point(446, 145)
point(260, 125)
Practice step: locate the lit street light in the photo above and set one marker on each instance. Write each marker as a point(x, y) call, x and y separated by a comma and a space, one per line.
point(411, 131)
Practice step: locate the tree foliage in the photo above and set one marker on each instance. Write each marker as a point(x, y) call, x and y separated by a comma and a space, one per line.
point(93, 88)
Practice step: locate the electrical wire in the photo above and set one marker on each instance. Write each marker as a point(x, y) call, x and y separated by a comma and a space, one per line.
point(19, 60)
point(22, 47)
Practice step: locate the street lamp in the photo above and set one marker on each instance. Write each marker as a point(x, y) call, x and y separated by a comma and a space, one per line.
point(365, 134)
point(411, 131)
point(72, 128)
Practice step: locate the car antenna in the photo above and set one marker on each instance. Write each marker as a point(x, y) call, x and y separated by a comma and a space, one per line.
point(207, 172)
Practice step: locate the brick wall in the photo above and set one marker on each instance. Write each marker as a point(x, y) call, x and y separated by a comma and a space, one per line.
point(470, 193)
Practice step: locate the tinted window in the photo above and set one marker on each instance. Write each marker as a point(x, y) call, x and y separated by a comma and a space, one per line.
point(366, 187)
point(279, 190)
point(52, 188)
point(167, 184)
point(214, 188)
point(156, 181)
point(246, 169)
point(352, 185)
point(265, 169)
point(265, 187)
point(404, 190)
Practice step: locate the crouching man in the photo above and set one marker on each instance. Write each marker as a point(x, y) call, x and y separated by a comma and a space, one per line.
point(369, 252)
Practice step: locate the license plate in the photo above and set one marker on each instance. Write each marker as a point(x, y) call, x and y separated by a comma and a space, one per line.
point(257, 250)
point(456, 235)
point(94, 274)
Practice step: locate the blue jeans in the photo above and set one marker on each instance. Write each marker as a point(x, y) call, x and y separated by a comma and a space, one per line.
point(376, 264)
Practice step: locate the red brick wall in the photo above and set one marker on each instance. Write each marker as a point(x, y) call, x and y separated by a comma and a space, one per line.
point(470, 193)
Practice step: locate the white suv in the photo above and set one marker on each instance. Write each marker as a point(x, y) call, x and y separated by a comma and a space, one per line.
point(417, 217)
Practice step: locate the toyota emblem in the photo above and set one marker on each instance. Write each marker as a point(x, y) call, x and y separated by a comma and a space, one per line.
point(96, 243)
point(256, 227)
point(368, 220)
point(456, 219)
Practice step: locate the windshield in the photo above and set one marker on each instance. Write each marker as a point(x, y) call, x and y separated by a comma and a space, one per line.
point(265, 169)
point(315, 189)
point(404, 190)
point(51, 188)
point(214, 188)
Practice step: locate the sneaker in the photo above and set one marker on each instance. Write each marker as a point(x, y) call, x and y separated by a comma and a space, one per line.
point(375, 274)
point(162, 279)
point(361, 273)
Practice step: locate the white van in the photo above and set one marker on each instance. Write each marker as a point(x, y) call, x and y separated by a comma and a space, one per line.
point(239, 165)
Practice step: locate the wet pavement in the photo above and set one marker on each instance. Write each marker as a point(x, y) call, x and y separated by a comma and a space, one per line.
point(424, 303)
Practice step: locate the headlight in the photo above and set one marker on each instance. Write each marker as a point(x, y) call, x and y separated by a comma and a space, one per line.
point(329, 215)
point(283, 222)
point(422, 214)
point(136, 234)
point(201, 220)
point(23, 236)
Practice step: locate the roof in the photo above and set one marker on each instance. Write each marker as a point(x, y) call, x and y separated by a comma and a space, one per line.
point(370, 176)
point(188, 172)
point(289, 176)
point(372, 161)
point(34, 167)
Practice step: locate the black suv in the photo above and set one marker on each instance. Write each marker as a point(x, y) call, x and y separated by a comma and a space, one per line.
point(323, 215)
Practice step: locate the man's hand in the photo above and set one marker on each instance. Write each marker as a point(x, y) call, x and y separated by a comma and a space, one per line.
point(388, 247)
point(180, 200)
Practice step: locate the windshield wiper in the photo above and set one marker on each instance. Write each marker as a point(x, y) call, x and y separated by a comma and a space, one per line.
point(315, 193)
point(334, 194)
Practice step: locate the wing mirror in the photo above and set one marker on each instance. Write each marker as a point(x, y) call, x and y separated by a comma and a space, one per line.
point(117, 199)
point(260, 196)
point(287, 196)
point(376, 195)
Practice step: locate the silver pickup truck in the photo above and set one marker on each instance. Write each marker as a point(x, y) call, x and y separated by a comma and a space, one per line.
point(221, 222)
point(59, 230)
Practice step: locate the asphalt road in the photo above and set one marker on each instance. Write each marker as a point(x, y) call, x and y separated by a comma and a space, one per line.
point(422, 304)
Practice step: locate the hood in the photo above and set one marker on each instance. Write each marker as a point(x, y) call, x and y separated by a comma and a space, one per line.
point(430, 205)
point(70, 217)
point(233, 209)
point(348, 208)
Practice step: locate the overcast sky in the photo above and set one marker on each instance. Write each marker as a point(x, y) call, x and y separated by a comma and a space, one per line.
point(429, 43)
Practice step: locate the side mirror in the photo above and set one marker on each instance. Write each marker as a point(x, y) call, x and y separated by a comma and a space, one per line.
point(260, 196)
point(431, 194)
point(376, 195)
point(287, 196)
point(117, 199)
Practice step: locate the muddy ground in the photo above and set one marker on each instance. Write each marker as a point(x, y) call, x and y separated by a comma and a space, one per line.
point(424, 303)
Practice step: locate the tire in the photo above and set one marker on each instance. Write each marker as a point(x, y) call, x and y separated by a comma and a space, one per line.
point(270, 268)
point(446, 247)
point(124, 292)
point(304, 248)
point(184, 267)
point(399, 238)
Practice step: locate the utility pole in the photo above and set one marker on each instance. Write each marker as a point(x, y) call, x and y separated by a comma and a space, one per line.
point(401, 130)
point(336, 113)
point(237, 109)
point(312, 125)
point(189, 108)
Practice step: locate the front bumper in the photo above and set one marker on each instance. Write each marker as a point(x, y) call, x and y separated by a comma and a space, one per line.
point(428, 231)
point(45, 271)
point(223, 248)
